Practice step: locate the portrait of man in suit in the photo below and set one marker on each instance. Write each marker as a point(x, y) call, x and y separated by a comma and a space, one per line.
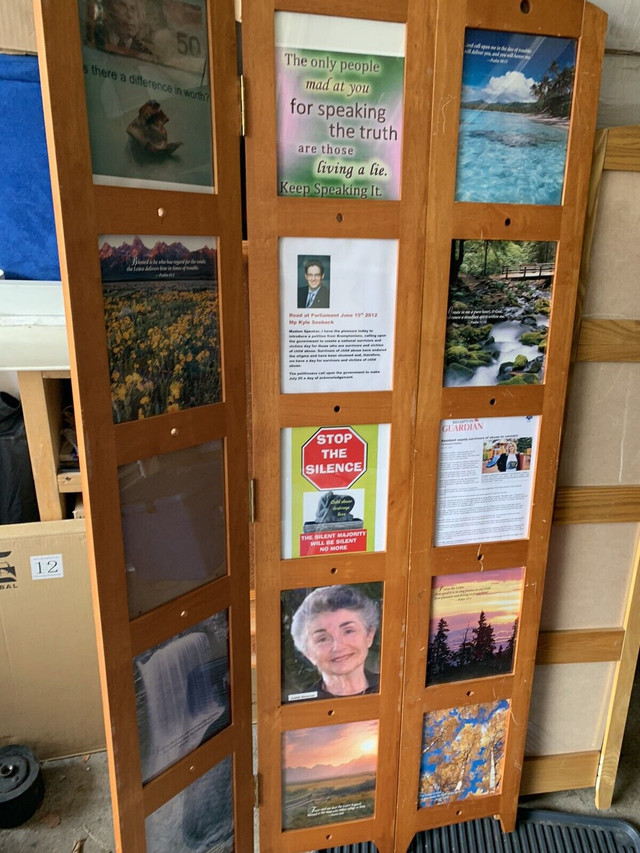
point(313, 290)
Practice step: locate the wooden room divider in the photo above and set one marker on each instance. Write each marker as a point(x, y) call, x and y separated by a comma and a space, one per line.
point(416, 186)
point(151, 259)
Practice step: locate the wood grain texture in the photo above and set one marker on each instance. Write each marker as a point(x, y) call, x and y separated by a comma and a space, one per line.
point(270, 218)
point(597, 504)
point(623, 149)
point(82, 213)
point(588, 645)
point(620, 692)
point(446, 221)
point(42, 410)
point(563, 772)
point(609, 340)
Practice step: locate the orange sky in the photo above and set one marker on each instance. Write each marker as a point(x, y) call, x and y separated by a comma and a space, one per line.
point(334, 745)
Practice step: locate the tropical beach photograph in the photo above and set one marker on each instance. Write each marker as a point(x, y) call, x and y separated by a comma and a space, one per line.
point(473, 625)
point(329, 774)
point(462, 753)
point(515, 110)
point(498, 312)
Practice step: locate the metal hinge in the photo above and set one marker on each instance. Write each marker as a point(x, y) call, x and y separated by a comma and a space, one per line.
point(256, 790)
point(252, 501)
point(243, 109)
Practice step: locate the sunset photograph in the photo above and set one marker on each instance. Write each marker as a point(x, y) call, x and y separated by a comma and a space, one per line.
point(329, 774)
point(473, 624)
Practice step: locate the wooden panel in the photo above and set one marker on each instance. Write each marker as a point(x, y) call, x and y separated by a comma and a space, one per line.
point(42, 409)
point(446, 221)
point(505, 221)
point(82, 213)
point(589, 645)
point(623, 149)
point(544, 773)
point(597, 504)
point(269, 218)
point(609, 340)
point(620, 693)
point(543, 16)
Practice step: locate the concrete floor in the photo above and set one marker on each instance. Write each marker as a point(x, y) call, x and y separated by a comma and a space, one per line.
point(75, 816)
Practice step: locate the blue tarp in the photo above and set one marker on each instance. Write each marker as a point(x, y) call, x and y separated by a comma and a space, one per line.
point(28, 246)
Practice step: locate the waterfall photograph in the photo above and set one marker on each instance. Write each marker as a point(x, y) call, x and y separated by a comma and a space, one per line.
point(198, 819)
point(182, 693)
point(498, 312)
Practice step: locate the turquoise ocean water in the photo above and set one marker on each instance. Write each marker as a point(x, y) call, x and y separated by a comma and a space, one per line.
point(509, 158)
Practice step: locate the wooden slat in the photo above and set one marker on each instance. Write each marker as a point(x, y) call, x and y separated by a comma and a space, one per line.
point(69, 482)
point(609, 340)
point(563, 772)
point(473, 221)
point(589, 645)
point(623, 149)
point(597, 504)
point(544, 16)
point(620, 693)
point(41, 406)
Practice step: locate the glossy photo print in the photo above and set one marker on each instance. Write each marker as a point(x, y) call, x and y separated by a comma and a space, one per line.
point(198, 819)
point(182, 693)
point(162, 320)
point(329, 774)
point(473, 624)
point(498, 312)
point(339, 90)
point(462, 753)
point(146, 75)
point(515, 112)
point(173, 524)
point(331, 641)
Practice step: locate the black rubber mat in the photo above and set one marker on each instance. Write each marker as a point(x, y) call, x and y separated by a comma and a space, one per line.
point(536, 832)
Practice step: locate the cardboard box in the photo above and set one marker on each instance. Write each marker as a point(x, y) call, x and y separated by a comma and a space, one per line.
point(17, 29)
point(50, 693)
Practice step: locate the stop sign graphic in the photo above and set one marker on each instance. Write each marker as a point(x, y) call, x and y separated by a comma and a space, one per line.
point(334, 458)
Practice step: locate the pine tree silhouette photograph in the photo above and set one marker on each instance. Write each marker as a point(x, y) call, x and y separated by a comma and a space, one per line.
point(462, 753)
point(473, 626)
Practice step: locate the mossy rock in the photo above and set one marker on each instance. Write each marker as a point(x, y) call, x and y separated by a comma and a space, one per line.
point(542, 346)
point(522, 379)
point(532, 339)
point(520, 362)
point(456, 353)
point(542, 306)
point(458, 371)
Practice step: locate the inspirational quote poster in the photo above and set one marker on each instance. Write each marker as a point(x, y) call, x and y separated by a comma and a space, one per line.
point(498, 312)
point(473, 624)
point(163, 323)
point(337, 314)
point(485, 479)
point(339, 96)
point(329, 774)
point(335, 483)
point(146, 74)
point(517, 92)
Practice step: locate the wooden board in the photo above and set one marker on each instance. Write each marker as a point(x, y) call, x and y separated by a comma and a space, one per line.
point(83, 212)
point(269, 218)
point(447, 220)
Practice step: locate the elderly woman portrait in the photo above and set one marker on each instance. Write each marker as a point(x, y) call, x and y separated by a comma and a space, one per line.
point(334, 628)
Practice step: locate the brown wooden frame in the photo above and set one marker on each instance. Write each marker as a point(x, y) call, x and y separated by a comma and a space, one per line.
point(269, 218)
point(83, 211)
point(448, 220)
point(615, 149)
